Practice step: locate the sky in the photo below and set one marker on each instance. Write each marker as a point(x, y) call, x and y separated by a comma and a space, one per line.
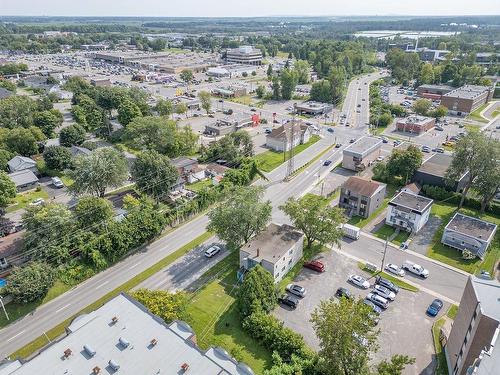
point(246, 8)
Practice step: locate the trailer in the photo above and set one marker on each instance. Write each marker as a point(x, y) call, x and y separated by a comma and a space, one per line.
point(351, 231)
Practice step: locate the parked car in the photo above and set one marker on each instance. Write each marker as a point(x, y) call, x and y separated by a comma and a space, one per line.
point(380, 158)
point(338, 145)
point(416, 269)
point(330, 130)
point(57, 182)
point(435, 307)
point(343, 292)
point(388, 284)
point(382, 291)
point(287, 299)
point(352, 140)
point(359, 281)
point(37, 202)
point(315, 265)
point(268, 131)
point(253, 109)
point(298, 290)
point(377, 310)
point(426, 149)
point(385, 140)
point(440, 150)
point(378, 300)
point(394, 269)
point(326, 163)
point(211, 251)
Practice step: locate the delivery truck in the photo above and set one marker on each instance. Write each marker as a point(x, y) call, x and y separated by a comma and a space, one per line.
point(351, 231)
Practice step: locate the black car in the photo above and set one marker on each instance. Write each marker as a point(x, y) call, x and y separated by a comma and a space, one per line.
point(388, 284)
point(343, 292)
point(377, 310)
point(288, 300)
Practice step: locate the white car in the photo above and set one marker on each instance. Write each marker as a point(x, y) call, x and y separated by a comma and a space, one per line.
point(380, 158)
point(359, 281)
point(395, 269)
point(57, 182)
point(384, 292)
point(211, 251)
point(37, 202)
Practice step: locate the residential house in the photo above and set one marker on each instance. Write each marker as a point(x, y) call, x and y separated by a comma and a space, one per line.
point(472, 347)
point(360, 196)
point(20, 163)
point(408, 211)
point(189, 169)
point(468, 233)
point(288, 136)
point(278, 248)
point(10, 251)
point(79, 151)
point(24, 180)
point(358, 155)
point(433, 171)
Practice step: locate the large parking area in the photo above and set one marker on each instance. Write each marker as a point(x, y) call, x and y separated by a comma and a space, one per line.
point(405, 327)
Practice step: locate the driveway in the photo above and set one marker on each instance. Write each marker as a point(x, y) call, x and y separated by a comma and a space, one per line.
point(405, 328)
point(423, 239)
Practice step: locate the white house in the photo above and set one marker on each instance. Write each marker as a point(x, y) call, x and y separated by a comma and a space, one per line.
point(408, 211)
point(288, 135)
point(277, 249)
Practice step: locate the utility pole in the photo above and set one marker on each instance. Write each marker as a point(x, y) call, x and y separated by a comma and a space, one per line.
point(290, 166)
point(383, 257)
point(3, 307)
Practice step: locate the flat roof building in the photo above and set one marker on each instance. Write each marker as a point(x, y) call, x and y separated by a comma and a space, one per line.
point(359, 154)
point(433, 171)
point(228, 125)
point(433, 92)
point(469, 233)
point(313, 108)
point(247, 55)
point(124, 335)
point(466, 99)
point(415, 124)
point(408, 211)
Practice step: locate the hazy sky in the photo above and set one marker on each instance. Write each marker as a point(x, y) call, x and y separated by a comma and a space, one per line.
point(248, 8)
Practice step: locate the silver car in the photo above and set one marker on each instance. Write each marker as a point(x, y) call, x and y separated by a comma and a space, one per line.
point(384, 292)
point(395, 269)
point(298, 290)
point(378, 300)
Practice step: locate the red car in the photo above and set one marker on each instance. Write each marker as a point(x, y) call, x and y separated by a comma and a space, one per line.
point(315, 265)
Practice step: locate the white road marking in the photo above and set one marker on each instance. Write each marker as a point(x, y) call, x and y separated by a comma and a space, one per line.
point(13, 337)
point(62, 308)
point(102, 284)
point(134, 265)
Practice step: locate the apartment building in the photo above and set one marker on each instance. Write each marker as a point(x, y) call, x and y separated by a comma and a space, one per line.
point(408, 211)
point(361, 197)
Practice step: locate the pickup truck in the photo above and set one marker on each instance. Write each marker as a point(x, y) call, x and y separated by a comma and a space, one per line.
point(415, 269)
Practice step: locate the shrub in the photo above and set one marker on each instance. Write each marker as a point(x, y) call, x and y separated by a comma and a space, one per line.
point(257, 292)
point(30, 283)
point(168, 306)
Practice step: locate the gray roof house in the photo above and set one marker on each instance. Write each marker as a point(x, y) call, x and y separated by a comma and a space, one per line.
point(123, 337)
point(468, 233)
point(24, 179)
point(408, 211)
point(19, 163)
point(77, 151)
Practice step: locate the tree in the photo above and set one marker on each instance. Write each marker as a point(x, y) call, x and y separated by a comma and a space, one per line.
point(439, 112)
point(164, 107)
point(422, 106)
point(187, 76)
point(337, 79)
point(30, 283)
point(276, 88)
point(426, 74)
point(269, 71)
point(167, 305)
point(127, 111)
point(7, 189)
point(320, 91)
point(257, 292)
point(181, 108)
point(5, 156)
point(241, 216)
point(346, 335)
point(73, 135)
point(21, 141)
point(487, 183)
point(154, 175)
point(313, 216)
point(94, 173)
point(90, 211)
point(469, 157)
point(288, 80)
point(260, 91)
point(395, 366)
point(205, 100)
point(16, 111)
point(302, 69)
point(404, 163)
point(57, 158)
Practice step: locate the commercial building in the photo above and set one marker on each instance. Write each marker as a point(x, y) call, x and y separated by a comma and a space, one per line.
point(247, 55)
point(313, 108)
point(466, 99)
point(123, 337)
point(433, 92)
point(231, 91)
point(431, 55)
point(277, 249)
point(415, 124)
point(432, 172)
point(361, 197)
point(228, 125)
point(191, 103)
point(468, 233)
point(359, 154)
point(408, 211)
point(472, 347)
point(288, 135)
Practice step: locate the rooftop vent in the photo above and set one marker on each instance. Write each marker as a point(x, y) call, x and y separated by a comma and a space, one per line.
point(67, 353)
point(123, 342)
point(115, 366)
point(96, 370)
point(88, 349)
point(185, 367)
point(114, 319)
point(154, 342)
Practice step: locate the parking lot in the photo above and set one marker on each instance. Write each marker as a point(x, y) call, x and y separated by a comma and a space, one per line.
point(404, 326)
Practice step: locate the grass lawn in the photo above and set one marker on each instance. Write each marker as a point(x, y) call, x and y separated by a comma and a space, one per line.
point(475, 115)
point(442, 366)
point(386, 231)
point(214, 316)
point(269, 160)
point(378, 130)
point(245, 100)
point(199, 185)
point(396, 280)
point(453, 257)
point(452, 312)
point(58, 330)
point(495, 113)
point(362, 222)
point(24, 199)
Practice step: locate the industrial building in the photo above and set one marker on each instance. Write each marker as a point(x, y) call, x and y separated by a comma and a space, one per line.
point(246, 55)
point(433, 92)
point(359, 154)
point(123, 337)
point(466, 99)
point(433, 171)
point(415, 124)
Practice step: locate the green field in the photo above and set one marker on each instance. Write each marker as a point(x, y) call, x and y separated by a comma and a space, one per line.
point(386, 231)
point(269, 160)
point(199, 185)
point(22, 200)
point(476, 115)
